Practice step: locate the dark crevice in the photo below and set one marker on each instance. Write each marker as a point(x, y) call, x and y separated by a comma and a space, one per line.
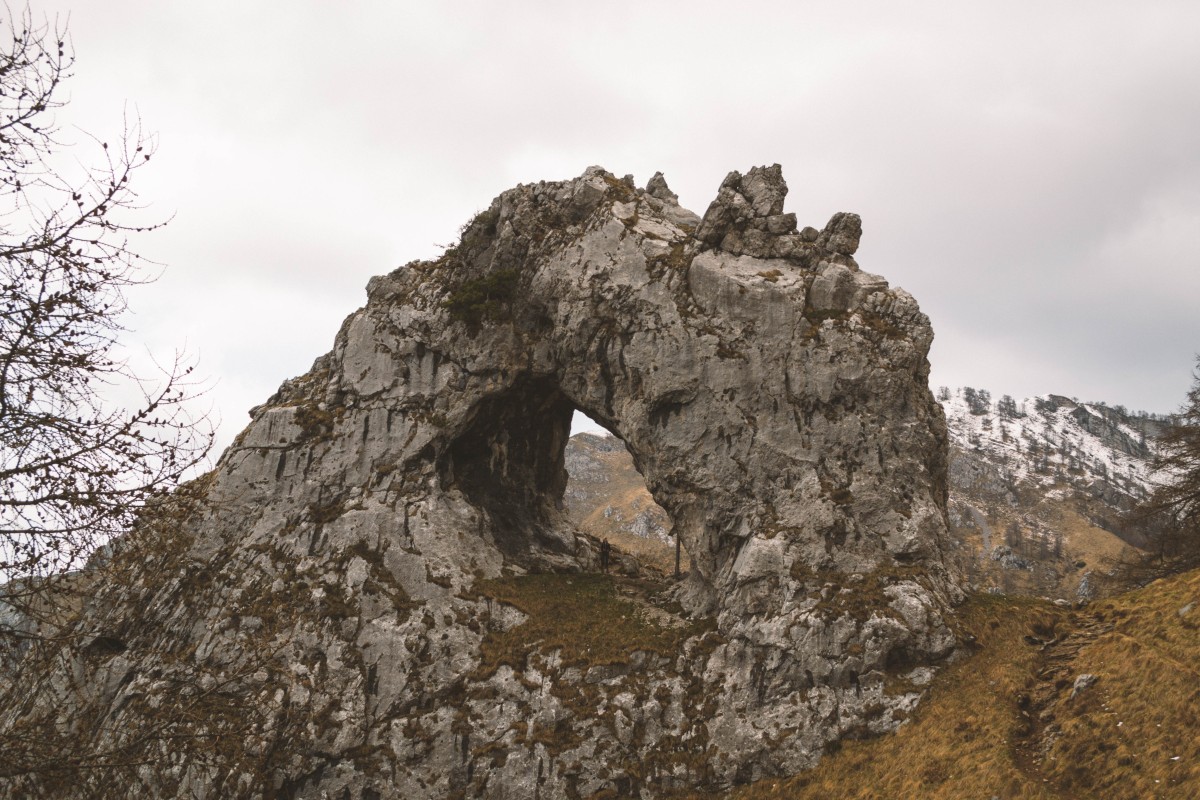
point(509, 463)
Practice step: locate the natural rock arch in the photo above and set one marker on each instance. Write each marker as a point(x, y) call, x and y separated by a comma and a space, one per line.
point(746, 400)
point(774, 397)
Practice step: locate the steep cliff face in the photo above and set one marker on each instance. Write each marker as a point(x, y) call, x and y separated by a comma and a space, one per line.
point(349, 606)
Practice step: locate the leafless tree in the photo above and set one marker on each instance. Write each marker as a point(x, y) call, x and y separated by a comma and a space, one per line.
point(1166, 524)
point(1174, 504)
point(76, 463)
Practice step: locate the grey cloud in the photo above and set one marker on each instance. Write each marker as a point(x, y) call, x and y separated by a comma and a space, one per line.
point(1030, 174)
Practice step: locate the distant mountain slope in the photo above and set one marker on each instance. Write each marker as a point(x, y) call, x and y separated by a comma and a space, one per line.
point(1037, 490)
point(607, 497)
point(1055, 442)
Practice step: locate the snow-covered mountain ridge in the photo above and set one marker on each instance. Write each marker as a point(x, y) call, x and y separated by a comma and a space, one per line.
point(1038, 488)
point(1055, 442)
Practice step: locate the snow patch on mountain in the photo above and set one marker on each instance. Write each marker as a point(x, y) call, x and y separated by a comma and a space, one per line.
point(1054, 442)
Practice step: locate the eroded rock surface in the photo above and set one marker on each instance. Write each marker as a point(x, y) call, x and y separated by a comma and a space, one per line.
point(328, 619)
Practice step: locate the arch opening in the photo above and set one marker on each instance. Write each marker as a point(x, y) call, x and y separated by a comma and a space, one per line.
point(607, 497)
point(511, 462)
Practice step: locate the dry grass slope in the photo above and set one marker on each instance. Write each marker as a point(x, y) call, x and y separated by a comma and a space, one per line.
point(1134, 735)
point(1002, 723)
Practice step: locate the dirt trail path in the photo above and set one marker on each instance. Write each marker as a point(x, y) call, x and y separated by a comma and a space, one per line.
point(1054, 674)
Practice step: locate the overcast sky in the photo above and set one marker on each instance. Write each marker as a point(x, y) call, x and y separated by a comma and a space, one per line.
point(1030, 172)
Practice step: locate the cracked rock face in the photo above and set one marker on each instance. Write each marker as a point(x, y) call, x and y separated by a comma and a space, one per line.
point(334, 584)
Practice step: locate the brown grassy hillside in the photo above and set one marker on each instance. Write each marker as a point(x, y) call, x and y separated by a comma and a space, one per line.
point(1002, 722)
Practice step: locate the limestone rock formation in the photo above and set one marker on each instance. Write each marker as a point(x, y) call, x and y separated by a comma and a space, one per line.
point(337, 610)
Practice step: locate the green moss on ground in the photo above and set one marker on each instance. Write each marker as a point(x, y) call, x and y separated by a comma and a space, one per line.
point(582, 615)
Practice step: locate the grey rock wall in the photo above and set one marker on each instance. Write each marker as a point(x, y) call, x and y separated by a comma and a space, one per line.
point(317, 623)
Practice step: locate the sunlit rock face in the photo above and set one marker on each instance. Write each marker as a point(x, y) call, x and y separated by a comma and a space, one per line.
point(336, 581)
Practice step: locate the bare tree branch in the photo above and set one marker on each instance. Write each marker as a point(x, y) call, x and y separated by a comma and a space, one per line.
point(1170, 516)
point(76, 466)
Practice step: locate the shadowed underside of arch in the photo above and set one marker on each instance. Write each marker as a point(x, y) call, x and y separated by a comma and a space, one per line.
point(365, 552)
